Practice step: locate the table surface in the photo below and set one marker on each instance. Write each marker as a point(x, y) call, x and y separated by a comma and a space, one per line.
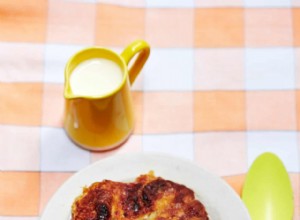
point(221, 87)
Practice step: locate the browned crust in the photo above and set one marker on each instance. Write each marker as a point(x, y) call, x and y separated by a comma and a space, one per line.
point(149, 197)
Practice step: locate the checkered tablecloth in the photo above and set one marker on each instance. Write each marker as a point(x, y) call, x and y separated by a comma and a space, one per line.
point(221, 86)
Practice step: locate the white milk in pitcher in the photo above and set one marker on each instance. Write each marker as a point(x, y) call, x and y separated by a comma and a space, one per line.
point(95, 77)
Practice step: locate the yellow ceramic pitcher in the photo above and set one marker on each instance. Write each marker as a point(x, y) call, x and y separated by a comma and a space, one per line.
point(105, 122)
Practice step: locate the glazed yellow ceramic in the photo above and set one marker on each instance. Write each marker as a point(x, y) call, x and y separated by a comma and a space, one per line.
point(105, 122)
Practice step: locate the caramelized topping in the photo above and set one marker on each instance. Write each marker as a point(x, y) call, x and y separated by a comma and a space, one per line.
point(147, 198)
point(102, 212)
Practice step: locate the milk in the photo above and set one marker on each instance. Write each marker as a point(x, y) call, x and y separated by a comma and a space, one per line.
point(95, 77)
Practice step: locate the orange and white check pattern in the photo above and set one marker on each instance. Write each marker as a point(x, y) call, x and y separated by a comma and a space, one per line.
point(221, 86)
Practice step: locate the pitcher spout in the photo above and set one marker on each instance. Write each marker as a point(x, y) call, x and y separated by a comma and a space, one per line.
point(68, 93)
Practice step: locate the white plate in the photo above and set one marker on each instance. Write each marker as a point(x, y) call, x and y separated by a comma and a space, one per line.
point(221, 202)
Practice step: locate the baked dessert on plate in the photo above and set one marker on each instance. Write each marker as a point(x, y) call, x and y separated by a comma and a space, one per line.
point(147, 198)
point(195, 185)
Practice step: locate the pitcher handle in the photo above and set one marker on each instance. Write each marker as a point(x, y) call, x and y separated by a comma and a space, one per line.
point(142, 50)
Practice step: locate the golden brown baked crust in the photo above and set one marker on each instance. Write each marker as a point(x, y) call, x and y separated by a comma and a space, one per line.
point(149, 197)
